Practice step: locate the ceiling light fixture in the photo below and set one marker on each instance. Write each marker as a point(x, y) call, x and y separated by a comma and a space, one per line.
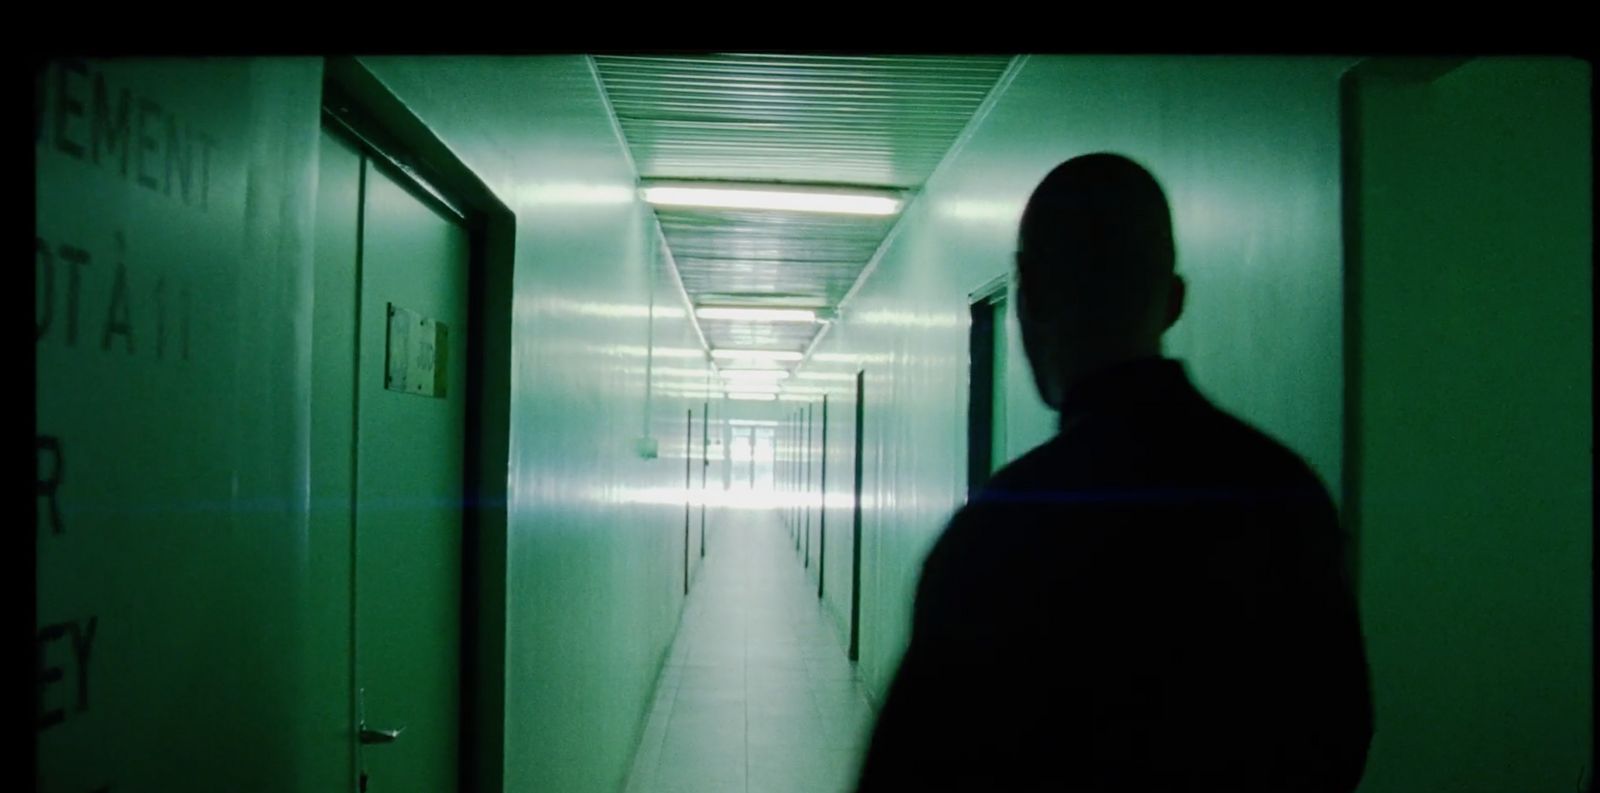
point(771, 197)
point(810, 375)
point(757, 355)
point(757, 314)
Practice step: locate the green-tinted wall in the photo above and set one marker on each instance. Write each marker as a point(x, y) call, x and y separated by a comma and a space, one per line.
point(174, 300)
point(1248, 152)
point(594, 554)
point(173, 305)
point(1473, 281)
point(185, 627)
point(1470, 297)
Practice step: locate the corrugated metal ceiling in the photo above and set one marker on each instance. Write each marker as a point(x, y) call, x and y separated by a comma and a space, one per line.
point(814, 119)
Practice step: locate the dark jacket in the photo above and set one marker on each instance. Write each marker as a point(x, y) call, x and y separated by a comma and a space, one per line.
point(1159, 598)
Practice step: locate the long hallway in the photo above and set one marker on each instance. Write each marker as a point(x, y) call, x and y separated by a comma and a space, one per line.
point(756, 694)
point(444, 423)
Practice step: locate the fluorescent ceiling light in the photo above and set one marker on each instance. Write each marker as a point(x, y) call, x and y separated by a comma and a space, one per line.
point(750, 397)
point(809, 375)
point(751, 364)
point(746, 300)
point(758, 314)
point(754, 374)
point(772, 197)
point(763, 355)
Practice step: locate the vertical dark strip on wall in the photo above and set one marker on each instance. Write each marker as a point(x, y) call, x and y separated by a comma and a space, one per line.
point(1350, 198)
point(688, 511)
point(980, 395)
point(705, 469)
point(822, 508)
point(855, 521)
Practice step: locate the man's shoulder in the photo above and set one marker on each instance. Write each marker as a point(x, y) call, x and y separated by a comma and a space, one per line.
point(1260, 455)
point(1203, 442)
point(1069, 492)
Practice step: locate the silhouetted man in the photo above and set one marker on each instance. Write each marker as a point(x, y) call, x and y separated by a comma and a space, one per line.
point(1157, 599)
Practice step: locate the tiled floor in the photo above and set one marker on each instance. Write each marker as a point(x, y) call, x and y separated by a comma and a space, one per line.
point(756, 695)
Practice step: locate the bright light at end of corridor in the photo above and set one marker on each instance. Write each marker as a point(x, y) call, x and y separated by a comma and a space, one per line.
point(746, 396)
point(772, 198)
point(751, 388)
point(745, 499)
point(754, 374)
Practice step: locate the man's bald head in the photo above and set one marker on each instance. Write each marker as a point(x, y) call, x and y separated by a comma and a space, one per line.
point(1095, 266)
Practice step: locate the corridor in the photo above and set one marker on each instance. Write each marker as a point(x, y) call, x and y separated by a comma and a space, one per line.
point(756, 694)
point(582, 423)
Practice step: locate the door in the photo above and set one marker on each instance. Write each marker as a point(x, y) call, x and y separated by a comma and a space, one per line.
point(410, 449)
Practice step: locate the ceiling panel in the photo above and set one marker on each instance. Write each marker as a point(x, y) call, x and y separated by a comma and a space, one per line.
point(878, 121)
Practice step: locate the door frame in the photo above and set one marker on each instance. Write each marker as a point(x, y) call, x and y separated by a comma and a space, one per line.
point(853, 653)
point(358, 106)
point(688, 492)
point(981, 392)
point(822, 502)
point(705, 469)
point(808, 454)
point(1421, 70)
point(794, 476)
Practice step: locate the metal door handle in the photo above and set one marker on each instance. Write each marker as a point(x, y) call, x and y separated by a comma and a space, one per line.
point(366, 734)
point(371, 736)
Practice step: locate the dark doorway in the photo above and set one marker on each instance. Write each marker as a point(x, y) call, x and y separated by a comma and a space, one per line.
point(986, 405)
